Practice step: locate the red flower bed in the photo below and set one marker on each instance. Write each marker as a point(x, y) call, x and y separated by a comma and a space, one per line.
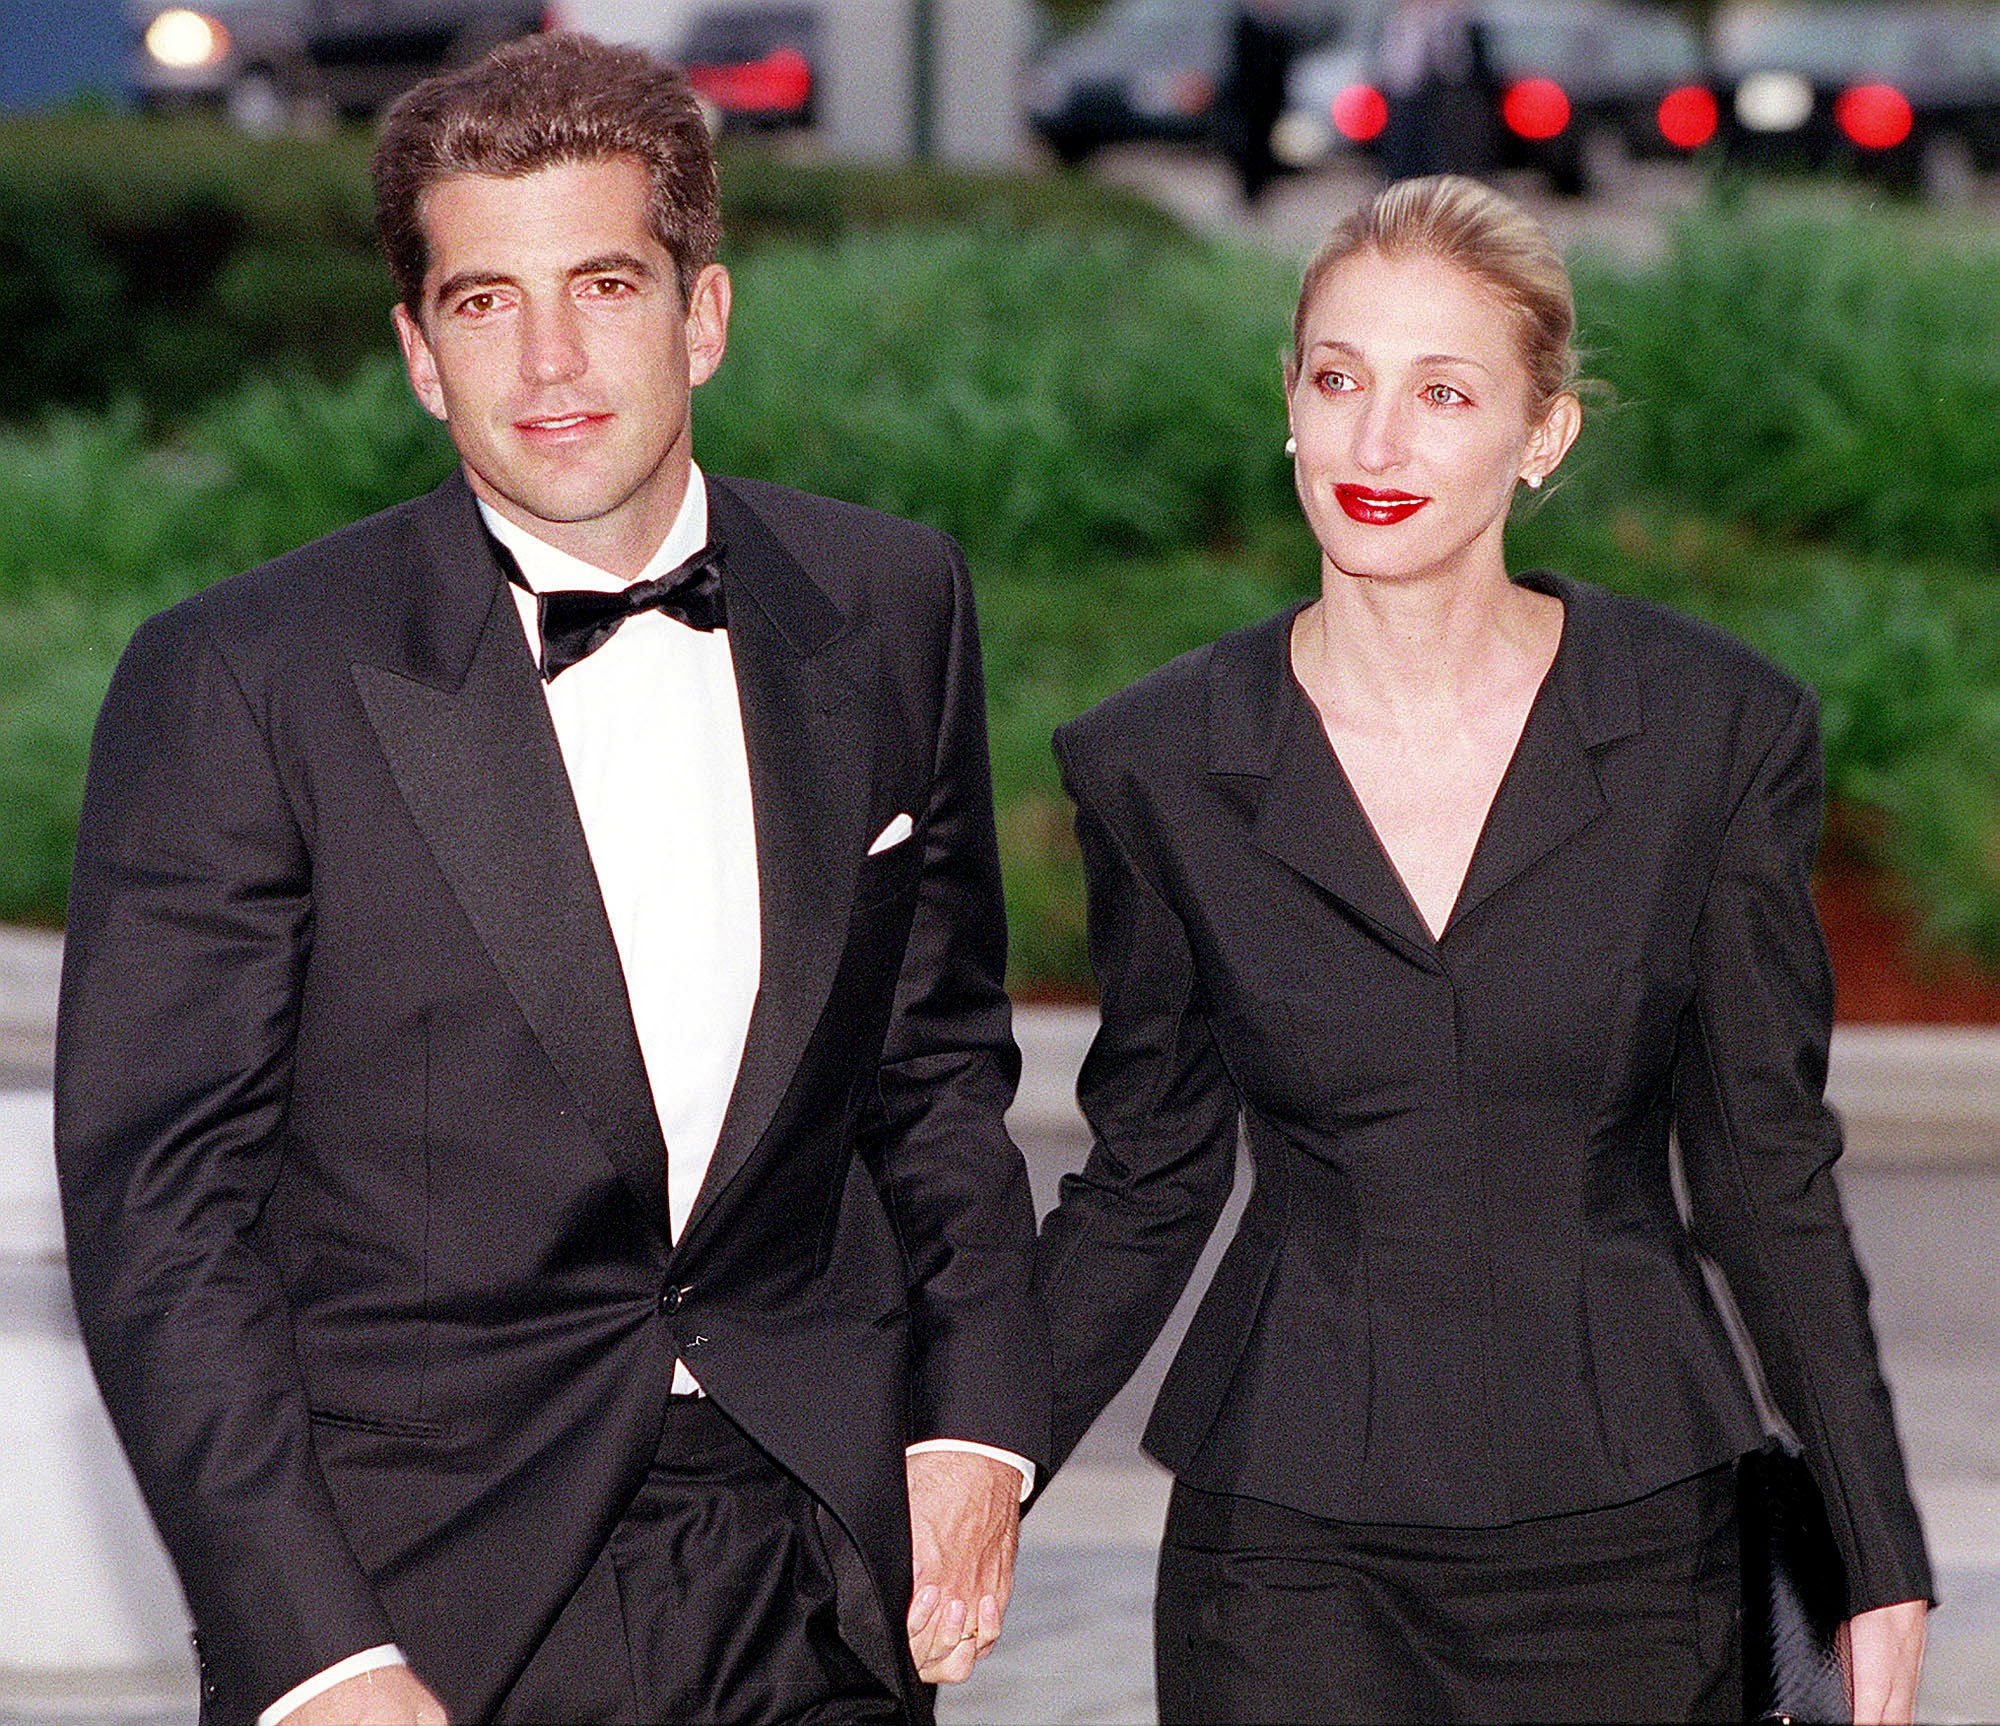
point(1883, 975)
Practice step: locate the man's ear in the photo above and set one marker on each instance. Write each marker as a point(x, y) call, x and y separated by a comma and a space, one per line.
point(707, 323)
point(419, 362)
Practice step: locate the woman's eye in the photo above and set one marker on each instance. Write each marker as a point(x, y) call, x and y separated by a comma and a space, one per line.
point(1333, 383)
point(1443, 395)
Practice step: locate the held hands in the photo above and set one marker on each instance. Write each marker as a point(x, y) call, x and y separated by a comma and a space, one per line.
point(388, 1696)
point(965, 1519)
point(1885, 1652)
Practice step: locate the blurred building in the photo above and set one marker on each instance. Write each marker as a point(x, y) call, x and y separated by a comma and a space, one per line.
point(933, 78)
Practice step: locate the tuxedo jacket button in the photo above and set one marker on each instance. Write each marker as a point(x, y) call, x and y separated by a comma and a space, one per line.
point(672, 1299)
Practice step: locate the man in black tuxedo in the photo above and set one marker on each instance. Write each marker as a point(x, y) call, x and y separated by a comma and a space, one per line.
point(533, 1051)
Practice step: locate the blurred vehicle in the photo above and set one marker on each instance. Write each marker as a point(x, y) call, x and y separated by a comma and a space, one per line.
point(1909, 95)
point(273, 64)
point(1575, 87)
point(754, 64)
point(1150, 70)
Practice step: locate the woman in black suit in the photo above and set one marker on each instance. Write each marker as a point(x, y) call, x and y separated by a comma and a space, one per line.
point(1464, 892)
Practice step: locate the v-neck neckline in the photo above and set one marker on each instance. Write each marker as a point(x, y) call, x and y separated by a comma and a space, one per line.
point(1531, 725)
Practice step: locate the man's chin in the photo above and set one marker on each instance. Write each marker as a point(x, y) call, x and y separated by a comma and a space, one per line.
point(543, 506)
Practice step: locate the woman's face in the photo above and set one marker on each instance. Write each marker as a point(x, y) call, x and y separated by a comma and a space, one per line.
point(1412, 419)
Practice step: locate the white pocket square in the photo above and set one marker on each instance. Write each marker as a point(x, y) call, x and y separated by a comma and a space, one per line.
point(894, 834)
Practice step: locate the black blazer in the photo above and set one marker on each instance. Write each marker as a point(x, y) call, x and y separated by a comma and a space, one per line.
point(364, 1186)
point(1462, 1293)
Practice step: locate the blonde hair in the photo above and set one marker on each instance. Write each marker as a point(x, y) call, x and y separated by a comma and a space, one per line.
point(1490, 237)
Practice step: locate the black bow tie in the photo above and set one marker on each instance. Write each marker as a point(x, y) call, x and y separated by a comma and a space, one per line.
point(576, 622)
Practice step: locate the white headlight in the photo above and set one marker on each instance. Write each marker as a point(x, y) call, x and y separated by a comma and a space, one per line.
point(1773, 102)
point(183, 39)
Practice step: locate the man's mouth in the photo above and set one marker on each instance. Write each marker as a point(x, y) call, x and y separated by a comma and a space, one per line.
point(1378, 508)
point(555, 424)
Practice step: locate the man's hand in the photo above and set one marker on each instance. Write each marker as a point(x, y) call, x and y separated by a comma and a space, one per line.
point(965, 1521)
point(388, 1696)
point(1885, 1652)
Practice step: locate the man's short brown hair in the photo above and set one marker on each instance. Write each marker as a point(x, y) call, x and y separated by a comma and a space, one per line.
point(545, 102)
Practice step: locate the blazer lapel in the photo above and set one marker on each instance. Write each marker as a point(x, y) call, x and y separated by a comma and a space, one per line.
point(1551, 791)
point(1262, 726)
point(474, 753)
point(810, 754)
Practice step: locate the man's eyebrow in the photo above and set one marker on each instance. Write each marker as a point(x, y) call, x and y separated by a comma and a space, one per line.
point(613, 263)
point(466, 280)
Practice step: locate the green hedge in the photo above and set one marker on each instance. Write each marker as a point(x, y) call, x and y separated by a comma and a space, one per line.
point(161, 262)
point(1097, 417)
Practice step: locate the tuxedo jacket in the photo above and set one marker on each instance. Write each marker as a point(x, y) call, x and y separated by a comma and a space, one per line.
point(364, 1186)
point(1463, 1292)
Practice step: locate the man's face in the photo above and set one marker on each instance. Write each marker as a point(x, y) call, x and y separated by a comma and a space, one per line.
point(554, 343)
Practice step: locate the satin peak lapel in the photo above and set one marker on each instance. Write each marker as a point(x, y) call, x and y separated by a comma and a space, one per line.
point(480, 769)
point(806, 735)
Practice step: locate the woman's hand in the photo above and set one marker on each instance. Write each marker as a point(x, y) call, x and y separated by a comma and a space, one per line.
point(1885, 1652)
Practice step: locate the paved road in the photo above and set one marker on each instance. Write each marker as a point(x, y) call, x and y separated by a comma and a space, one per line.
point(1627, 220)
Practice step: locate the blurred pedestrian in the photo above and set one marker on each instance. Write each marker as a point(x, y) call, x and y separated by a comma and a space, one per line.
point(1252, 95)
point(1437, 74)
point(1469, 896)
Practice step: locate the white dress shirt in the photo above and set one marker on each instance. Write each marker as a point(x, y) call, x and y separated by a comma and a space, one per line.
point(652, 740)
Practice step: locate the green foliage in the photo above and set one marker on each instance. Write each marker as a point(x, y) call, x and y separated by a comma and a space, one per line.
point(1050, 400)
point(161, 262)
point(164, 261)
point(1094, 412)
point(1821, 378)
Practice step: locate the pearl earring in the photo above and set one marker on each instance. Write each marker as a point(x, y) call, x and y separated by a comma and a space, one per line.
point(1291, 446)
point(1534, 481)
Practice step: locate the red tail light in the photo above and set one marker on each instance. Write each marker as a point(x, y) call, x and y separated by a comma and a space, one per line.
point(780, 83)
point(1360, 112)
point(1191, 93)
point(1535, 109)
point(1873, 116)
point(1688, 117)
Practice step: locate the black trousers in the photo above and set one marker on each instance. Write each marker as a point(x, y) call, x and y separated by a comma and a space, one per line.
point(717, 1599)
point(1626, 1614)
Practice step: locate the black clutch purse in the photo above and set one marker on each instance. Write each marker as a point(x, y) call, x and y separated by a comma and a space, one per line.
point(1794, 1593)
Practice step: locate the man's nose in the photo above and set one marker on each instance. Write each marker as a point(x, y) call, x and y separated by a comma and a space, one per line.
point(551, 343)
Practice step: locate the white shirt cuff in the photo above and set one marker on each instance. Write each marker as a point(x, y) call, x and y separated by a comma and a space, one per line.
point(991, 1451)
point(368, 1660)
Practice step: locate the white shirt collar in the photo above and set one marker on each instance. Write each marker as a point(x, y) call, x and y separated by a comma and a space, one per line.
point(545, 569)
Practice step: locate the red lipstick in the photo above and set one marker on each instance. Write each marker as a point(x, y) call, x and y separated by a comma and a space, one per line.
point(1378, 508)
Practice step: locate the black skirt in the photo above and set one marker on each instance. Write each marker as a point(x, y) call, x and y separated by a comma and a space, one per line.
point(1630, 1613)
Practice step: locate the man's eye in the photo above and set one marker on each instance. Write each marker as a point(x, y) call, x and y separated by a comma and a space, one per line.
point(608, 287)
point(478, 304)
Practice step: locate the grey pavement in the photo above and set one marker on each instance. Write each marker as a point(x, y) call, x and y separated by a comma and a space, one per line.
point(1627, 221)
point(1923, 1189)
point(29, 960)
